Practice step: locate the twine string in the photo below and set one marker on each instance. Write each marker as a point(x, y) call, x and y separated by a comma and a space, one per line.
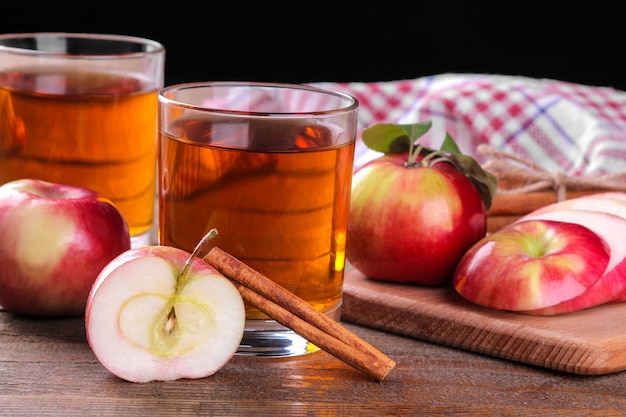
point(535, 178)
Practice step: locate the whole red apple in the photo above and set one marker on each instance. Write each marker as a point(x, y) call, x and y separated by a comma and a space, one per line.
point(412, 216)
point(55, 240)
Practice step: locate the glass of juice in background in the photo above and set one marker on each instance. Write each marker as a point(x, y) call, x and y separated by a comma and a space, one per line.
point(81, 109)
point(270, 167)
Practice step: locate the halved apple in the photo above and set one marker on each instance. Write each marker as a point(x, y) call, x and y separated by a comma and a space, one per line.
point(149, 318)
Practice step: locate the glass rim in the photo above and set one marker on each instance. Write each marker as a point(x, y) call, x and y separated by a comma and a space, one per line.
point(352, 103)
point(154, 47)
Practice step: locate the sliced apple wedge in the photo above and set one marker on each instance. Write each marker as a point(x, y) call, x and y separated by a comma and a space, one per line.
point(531, 265)
point(618, 195)
point(612, 229)
point(613, 203)
point(151, 318)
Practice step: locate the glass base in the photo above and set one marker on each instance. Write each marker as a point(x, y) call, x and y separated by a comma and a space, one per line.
point(145, 239)
point(269, 338)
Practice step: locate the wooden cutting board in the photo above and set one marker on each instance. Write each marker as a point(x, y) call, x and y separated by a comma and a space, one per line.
point(588, 342)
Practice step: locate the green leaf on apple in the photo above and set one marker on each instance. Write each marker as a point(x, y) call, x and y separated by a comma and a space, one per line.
point(398, 138)
point(393, 138)
point(483, 180)
point(449, 145)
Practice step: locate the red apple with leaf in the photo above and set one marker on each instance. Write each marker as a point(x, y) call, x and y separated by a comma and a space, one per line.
point(55, 240)
point(415, 211)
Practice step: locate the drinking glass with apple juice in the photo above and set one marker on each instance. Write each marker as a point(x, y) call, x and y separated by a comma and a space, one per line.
point(270, 167)
point(81, 109)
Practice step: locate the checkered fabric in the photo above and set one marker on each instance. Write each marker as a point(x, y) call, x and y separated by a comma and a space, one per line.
point(570, 128)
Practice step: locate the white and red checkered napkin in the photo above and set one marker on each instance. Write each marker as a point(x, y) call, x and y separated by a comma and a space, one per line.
point(575, 129)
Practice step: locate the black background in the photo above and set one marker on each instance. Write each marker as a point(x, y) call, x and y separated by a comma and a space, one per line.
point(293, 41)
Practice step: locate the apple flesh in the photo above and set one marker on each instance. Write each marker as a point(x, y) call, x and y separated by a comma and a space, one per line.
point(531, 265)
point(612, 229)
point(412, 224)
point(132, 331)
point(613, 203)
point(55, 240)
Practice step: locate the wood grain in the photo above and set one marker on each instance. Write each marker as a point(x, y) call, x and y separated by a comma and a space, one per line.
point(47, 369)
point(588, 342)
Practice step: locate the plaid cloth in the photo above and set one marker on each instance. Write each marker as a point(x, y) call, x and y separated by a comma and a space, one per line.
point(570, 128)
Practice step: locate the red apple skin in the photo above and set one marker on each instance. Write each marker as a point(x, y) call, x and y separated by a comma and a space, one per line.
point(609, 202)
point(613, 202)
point(612, 228)
point(532, 265)
point(55, 240)
point(412, 224)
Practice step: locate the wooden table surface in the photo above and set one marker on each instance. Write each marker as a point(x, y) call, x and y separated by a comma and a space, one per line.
point(47, 368)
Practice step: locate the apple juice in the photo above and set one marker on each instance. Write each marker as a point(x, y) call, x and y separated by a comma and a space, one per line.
point(278, 194)
point(95, 130)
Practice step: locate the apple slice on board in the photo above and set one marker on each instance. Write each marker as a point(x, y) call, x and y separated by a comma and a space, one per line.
point(618, 195)
point(613, 203)
point(132, 331)
point(610, 227)
point(531, 265)
point(608, 202)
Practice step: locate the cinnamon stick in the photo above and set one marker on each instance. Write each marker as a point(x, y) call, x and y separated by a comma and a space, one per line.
point(524, 203)
point(495, 223)
point(293, 312)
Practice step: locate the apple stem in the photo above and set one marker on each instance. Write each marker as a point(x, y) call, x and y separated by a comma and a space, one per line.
point(183, 275)
point(413, 154)
point(435, 157)
point(182, 278)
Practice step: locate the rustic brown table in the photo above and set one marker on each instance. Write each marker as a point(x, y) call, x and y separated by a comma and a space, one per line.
point(47, 368)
